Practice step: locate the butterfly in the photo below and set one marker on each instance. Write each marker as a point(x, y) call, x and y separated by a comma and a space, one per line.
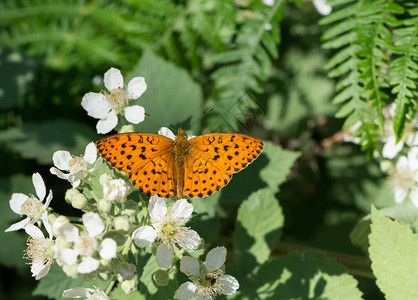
point(195, 167)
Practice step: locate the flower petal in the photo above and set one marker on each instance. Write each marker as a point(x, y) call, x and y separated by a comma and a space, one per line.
point(136, 87)
point(167, 133)
point(96, 105)
point(39, 184)
point(157, 208)
point(164, 256)
point(18, 225)
point(107, 124)
point(57, 172)
point(188, 239)
point(107, 248)
point(189, 266)
point(414, 196)
point(34, 231)
point(48, 199)
point(93, 224)
point(73, 177)
point(144, 236)
point(16, 202)
point(66, 256)
point(228, 284)
point(47, 224)
point(40, 269)
point(182, 210)
point(88, 265)
point(77, 292)
point(185, 291)
point(68, 232)
point(113, 79)
point(391, 148)
point(61, 159)
point(135, 114)
point(400, 194)
point(90, 154)
point(215, 258)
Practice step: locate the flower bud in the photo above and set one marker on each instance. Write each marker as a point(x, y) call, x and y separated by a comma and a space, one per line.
point(161, 278)
point(90, 276)
point(70, 271)
point(122, 224)
point(105, 206)
point(131, 208)
point(127, 128)
point(126, 271)
point(386, 165)
point(70, 194)
point(79, 201)
point(129, 286)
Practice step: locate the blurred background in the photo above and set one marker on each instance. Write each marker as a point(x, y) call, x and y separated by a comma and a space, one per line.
point(259, 64)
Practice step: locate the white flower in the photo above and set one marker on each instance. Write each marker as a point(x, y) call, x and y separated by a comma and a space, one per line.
point(76, 166)
point(115, 190)
point(168, 228)
point(40, 250)
point(405, 177)
point(106, 106)
point(85, 245)
point(79, 292)
point(322, 7)
point(31, 206)
point(207, 279)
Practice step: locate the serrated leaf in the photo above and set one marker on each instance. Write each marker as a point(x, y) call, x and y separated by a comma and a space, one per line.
point(305, 275)
point(40, 140)
point(257, 229)
point(268, 170)
point(394, 255)
point(53, 284)
point(170, 90)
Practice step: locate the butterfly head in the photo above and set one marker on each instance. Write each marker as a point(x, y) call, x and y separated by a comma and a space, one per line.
point(180, 133)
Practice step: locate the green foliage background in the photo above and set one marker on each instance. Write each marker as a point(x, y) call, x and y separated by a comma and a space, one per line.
point(296, 222)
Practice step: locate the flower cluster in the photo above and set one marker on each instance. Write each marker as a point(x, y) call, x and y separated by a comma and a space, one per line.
point(115, 223)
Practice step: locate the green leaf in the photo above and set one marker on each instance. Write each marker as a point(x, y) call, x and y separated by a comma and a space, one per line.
point(40, 140)
point(394, 255)
point(53, 284)
point(305, 275)
point(268, 170)
point(257, 229)
point(147, 286)
point(172, 97)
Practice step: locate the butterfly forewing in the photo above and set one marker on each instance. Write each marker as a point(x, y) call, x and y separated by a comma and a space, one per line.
point(214, 158)
point(143, 156)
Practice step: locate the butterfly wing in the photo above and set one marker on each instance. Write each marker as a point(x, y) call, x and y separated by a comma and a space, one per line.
point(214, 158)
point(145, 157)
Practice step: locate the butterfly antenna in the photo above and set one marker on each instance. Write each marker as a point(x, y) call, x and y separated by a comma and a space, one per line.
point(201, 117)
point(156, 120)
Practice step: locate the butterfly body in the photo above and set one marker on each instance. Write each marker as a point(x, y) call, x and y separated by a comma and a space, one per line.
point(196, 167)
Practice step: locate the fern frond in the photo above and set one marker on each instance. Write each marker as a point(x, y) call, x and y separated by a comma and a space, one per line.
point(404, 71)
point(362, 34)
point(344, 36)
point(246, 64)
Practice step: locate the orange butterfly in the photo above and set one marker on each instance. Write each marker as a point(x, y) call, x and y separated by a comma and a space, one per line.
point(158, 165)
